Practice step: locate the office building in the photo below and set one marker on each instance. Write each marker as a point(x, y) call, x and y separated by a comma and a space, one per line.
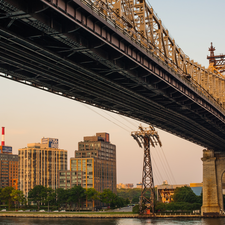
point(39, 164)
point(94, 165)
point(8, 170)
point(165, 191)
point(8, 165)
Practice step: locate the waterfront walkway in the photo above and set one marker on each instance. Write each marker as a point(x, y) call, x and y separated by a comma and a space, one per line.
point(90, 215)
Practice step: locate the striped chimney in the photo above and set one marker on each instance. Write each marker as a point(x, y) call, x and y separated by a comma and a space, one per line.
point(3, 136)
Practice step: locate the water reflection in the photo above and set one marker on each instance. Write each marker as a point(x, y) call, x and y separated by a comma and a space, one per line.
point(91, 221)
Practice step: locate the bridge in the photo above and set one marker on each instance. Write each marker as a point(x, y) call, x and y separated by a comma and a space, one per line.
point(115, 55)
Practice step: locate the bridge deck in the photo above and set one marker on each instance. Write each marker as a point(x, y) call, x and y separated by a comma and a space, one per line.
point(73, 52)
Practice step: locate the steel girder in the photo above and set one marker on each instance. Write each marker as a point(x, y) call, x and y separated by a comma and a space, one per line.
point(43, 47)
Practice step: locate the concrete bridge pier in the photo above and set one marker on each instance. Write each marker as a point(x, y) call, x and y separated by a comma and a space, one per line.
point(213, 170)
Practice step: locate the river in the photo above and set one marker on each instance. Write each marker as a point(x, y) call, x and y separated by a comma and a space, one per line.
point(91, 221)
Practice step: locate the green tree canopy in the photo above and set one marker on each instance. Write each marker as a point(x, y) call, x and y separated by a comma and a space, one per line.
point(135, 200)
point(61, 196)
point(185, 194)
point(174, 206)
point(77, 195)
point(129, 193)
point(6, 195)
point(92, 195)
point(107, 196)
point(38, 194)
point(49, 196)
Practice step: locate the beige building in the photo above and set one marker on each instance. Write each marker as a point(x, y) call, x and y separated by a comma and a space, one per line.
point(120, 186)
point(139, 185)
point(125, 186)
point(94, 165)
point(165, 191)
point(39, 164)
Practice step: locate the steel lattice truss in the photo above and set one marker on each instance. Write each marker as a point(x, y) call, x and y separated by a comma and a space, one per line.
point(115, 56)
point(147, 137)
point(216, 62)
point(139, 21)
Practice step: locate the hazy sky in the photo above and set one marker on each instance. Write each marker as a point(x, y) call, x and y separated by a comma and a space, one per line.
point(30, 114)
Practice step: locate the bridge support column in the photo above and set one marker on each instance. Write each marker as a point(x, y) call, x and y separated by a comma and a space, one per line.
point(213, 169)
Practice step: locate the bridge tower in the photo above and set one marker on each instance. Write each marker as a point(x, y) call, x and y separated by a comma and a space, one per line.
point(147, 137)
point(213, 182)
point(216, 62)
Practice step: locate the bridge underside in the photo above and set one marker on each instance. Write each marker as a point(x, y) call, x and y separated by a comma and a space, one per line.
point(65, 48)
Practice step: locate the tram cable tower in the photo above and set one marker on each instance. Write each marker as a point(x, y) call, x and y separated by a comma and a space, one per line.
point(147, 137)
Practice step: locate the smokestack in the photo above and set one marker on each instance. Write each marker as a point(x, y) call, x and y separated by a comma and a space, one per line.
point(3, 136)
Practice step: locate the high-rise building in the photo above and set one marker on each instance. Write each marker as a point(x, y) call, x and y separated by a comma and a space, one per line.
point(8, 170)
point(8, 165)
point(94, 165)
point(39, 164)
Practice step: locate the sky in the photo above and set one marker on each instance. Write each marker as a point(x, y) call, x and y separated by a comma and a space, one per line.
point(28, 114)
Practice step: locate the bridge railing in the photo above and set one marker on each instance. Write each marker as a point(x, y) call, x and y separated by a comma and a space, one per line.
point(138, 21)
point(160, 46)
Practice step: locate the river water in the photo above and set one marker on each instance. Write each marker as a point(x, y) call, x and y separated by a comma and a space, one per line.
point(91, 221)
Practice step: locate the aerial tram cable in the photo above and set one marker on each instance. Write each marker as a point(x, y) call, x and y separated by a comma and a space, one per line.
point(156, 169)
point(116, 119)
point(165, 162)
point(163, 166)
point(105, 117)
point(122, 127)
point(135, 125)
point(168, 164)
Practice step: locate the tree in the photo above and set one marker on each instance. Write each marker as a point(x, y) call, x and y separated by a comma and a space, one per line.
point(129, 193)
point(6, 195)
point(71, 197)
point(135, 200)
point(37, 194)
point(92, 195)
point(74, 195)
point(185, 194)
point(127, 201)
point(117, 202)
point(61, 196)
point(107, 196)
point(49, 196)
point(0, 195)
point(174, 206)
point(135, 209)
point(79, 193)
point(17, 196)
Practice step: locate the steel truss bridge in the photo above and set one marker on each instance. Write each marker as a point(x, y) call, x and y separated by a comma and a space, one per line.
point(115, 55)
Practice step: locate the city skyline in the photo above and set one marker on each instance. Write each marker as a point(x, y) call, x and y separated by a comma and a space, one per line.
point(27, 127)
point(30, 114)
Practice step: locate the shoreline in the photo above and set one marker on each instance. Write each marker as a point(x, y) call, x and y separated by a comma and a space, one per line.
point(97, 216)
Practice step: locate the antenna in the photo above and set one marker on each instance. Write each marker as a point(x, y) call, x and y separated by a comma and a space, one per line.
point(3, 136)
